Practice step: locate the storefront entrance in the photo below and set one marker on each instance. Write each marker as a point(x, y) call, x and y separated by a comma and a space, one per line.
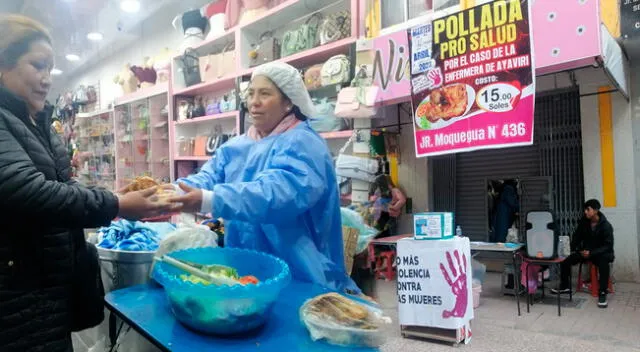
point(547, 174)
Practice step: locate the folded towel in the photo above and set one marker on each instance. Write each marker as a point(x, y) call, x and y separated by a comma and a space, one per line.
point(133, 236)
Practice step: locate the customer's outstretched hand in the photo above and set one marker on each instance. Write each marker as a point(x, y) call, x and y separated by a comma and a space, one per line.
point(141, 204)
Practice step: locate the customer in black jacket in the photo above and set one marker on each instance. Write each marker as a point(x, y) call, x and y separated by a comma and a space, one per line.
point(592, 241)
point(42, 211)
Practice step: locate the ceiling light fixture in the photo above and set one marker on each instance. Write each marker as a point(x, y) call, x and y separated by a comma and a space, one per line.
point(72, 57)
point(130, 6)
point(95, 36)
point(56, 72)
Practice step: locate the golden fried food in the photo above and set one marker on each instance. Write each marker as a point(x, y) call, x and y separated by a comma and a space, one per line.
point(140, 183)
point(445, 103)
point(337, 308)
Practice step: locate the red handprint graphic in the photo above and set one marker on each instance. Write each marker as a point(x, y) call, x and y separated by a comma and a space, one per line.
point(435, 77)
point(458, 287)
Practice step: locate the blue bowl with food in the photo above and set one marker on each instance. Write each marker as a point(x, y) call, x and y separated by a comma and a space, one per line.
point(223, 310)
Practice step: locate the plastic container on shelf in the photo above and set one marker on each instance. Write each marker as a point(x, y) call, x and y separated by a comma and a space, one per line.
point(224, 310)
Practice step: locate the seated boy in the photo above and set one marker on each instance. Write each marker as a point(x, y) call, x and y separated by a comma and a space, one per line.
point(592, 241)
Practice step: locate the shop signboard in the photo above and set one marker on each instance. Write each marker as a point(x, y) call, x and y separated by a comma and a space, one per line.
point(434, 283)
point(477, 90)
point(630, 18)
point(386, 60)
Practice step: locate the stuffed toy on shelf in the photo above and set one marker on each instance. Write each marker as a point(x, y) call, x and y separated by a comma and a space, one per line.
point(127, 80)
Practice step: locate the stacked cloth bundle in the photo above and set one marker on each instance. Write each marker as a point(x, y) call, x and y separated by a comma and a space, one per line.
point(133, 236)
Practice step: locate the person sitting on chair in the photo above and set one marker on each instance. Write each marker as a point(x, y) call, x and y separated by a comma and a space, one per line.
point(592, 241)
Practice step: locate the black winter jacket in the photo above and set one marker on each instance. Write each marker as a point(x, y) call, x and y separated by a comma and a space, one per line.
point(599, 241)
point(42, 216)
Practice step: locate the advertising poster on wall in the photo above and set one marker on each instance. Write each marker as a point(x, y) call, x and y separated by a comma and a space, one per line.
point(473, 81)
point(630, 18)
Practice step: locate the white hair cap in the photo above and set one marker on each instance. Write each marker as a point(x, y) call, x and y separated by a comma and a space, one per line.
point(289, 80)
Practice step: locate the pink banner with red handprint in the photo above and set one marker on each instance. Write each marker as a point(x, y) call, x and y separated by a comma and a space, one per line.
point(434, 283)
point(472, 79)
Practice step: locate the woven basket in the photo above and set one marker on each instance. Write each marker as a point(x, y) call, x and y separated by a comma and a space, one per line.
point(350, 241)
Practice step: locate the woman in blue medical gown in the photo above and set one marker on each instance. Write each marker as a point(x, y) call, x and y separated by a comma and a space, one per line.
point(275, 186)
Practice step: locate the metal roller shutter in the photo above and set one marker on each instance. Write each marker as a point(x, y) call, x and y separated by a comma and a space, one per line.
point(550, 171)
point(473, 169)
point(560, 138)
point(442, 172)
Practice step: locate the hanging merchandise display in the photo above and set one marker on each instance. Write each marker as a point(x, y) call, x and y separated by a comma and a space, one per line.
point(355, 167)
point(265, 50)
point(480, 97)
point(359, 100)
point(335, 27)
point(337, 70)
point(302, 38)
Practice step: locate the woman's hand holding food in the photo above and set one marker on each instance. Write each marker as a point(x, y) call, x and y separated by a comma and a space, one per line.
point(190, 201)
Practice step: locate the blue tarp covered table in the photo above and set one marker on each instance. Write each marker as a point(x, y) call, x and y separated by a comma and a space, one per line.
point(146, 309)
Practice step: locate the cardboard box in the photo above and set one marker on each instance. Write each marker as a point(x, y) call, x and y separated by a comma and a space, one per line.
point(433, 226)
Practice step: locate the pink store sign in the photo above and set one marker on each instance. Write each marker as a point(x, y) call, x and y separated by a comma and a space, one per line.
point(387, 60)
point(566, 34)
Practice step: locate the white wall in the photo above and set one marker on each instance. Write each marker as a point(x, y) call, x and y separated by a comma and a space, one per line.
point(148, 44)
point(624, 216)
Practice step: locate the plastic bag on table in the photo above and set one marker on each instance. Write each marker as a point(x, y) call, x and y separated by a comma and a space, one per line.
point(512, 235)
point(343, 321)
point(351, 218)
point(187, 235)
point(478, 270)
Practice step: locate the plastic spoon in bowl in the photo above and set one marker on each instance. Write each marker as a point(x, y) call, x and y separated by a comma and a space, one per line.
point(214, 279)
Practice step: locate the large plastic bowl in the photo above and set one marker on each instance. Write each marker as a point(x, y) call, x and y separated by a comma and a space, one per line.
point(224, 310)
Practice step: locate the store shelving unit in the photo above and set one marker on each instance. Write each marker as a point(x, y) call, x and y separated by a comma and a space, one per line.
point(286, 16)
point(96, 147)
point(142, 136)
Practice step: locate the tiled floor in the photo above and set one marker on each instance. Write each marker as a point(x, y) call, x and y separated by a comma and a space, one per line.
point(497, 327)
